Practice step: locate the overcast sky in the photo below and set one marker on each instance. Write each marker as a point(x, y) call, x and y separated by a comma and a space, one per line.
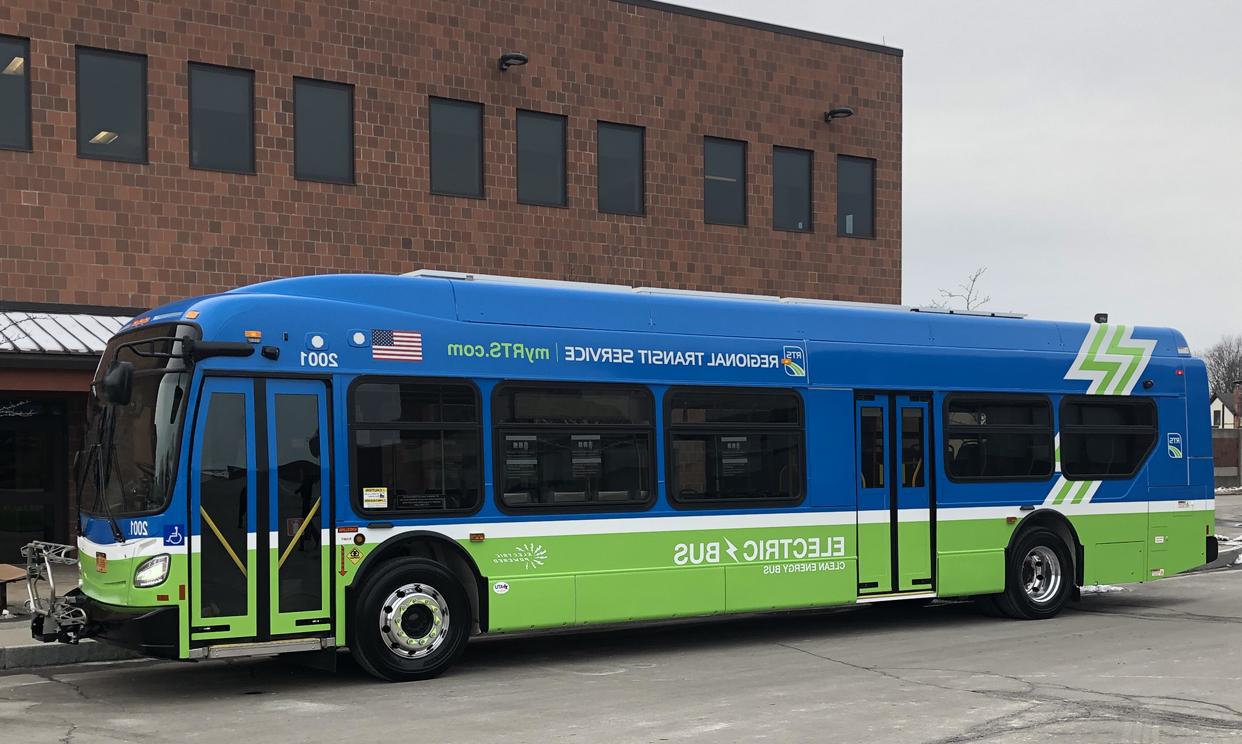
point(1087, 153)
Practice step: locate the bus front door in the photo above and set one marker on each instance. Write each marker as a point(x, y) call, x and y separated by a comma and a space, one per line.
point(260, 488)
point(895, 506)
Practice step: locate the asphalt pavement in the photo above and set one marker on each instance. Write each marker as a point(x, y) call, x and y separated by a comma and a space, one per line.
point(1151, 663)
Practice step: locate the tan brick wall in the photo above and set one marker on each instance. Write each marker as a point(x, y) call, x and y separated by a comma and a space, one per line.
point(94, 232)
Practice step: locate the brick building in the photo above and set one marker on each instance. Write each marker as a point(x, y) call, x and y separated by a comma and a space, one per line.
point(152, 150)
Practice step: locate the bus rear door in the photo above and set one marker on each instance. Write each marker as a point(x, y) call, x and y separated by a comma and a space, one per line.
point(896, 512)
point(260, 510)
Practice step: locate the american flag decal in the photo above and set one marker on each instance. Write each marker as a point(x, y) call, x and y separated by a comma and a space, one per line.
point(399, 346)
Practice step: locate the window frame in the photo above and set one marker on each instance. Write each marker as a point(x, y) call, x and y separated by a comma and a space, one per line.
point(745, 181)
point(352, 426)
point(77, 104)
point(669, 429)
point(947, 431)
point(25, 42)
point(1148, 402)
point(353, 131)
point(642, 168)
point(874, 188)
point(189, 84)
point(517, 157)
point(497, 430)
point(482, 149)
point(810, 190)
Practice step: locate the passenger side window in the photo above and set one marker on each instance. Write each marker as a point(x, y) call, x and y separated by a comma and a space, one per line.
point(1105, 437)
point(574, 447)
point(733, 447)
point(416, 447)
point(999, 438)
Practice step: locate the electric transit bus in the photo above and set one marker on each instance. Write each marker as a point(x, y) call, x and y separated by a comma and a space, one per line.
point(391, 464)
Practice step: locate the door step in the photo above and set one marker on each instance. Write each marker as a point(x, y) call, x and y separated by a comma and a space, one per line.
point(262, 648)
point(894, 596)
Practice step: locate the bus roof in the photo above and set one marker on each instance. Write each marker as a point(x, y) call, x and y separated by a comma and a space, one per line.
point(475, 298)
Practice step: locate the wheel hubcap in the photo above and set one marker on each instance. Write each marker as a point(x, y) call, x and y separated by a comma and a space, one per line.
point(1041, 574)
point(414, 620)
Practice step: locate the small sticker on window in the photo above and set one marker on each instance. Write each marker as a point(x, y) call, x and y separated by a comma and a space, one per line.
point(375, 498)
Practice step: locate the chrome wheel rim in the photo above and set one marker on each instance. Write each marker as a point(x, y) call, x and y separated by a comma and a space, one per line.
point(1041, 574)
point(414, 621)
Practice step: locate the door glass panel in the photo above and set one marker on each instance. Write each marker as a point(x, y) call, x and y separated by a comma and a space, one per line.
point(871, 447)
point(912, 466)
point(299, 511)
point(223, 475)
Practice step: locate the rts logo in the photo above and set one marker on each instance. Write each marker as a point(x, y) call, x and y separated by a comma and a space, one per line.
point(793, 359)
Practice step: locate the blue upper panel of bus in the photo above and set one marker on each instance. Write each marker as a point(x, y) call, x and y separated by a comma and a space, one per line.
point(629, 310)
point(460, 323)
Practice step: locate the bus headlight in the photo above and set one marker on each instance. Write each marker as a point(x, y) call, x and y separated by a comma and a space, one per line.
point(152, 572)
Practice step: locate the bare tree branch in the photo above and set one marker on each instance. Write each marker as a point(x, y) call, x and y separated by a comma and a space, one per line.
point(14, 409)
point(1224, 363)
point(968, 293)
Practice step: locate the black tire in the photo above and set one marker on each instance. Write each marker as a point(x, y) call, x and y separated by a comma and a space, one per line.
point(1039, 559)
point(433, 610)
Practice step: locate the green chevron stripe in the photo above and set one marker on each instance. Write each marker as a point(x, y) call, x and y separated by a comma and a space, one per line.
point(1135, 355)
point(1093, 364)
point(1063, 492)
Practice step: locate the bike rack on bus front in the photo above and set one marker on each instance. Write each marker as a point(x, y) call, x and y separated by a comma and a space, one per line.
point(54, 617)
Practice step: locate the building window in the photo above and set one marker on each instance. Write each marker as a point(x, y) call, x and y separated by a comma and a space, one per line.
point(323, 131)
point(456, 147)
point(14, 93)
point(574, 447)
point(724, 181)
point(856, 197)
point(791, 189)
point(992, 438)
point(221, 118)
point(112, 105)
point(619, 167)
point(1105, 437)
point(541, 158)
point(416, 447)
point(1218, 419)
point(733, 447)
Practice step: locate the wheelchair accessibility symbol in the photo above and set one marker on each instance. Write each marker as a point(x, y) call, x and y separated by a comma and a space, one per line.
point(173, 535)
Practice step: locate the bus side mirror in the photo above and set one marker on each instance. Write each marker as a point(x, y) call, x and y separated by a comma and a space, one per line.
point(118, 383)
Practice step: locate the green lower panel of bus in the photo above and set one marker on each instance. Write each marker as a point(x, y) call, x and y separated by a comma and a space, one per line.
point(574, 579)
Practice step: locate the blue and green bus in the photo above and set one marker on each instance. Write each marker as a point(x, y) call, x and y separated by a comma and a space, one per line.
point(392, 464)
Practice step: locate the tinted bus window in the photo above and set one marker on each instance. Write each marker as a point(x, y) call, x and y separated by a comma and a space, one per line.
point(733, 447)
point(999, 438)
point(1105, 437)
point(416, 447)
point(572, 448)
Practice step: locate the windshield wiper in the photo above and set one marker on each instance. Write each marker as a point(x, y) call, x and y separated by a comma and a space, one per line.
point(108, 444)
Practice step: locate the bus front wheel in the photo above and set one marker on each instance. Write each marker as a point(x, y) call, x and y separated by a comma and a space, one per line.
point(1039, 577)
point(411, 621)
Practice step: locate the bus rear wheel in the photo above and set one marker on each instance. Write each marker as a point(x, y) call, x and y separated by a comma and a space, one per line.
point(1039, 577)
point(411, 621)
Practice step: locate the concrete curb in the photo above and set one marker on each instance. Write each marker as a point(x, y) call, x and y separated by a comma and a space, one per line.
point(31, 655)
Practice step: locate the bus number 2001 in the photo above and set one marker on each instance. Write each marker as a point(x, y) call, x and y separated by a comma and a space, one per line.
point(318, 359)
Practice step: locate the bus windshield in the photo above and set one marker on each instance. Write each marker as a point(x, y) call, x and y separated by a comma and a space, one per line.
point(129, 462)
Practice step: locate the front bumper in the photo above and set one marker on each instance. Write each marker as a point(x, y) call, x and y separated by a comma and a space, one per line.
point(151, 631)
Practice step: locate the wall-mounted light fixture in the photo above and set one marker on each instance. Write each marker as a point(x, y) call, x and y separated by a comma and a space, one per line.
point(509, 59)
point(844, 112)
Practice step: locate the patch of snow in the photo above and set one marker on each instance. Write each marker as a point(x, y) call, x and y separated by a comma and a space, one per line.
point(1238, 562)
point(1229, 490)
point(1103, 589)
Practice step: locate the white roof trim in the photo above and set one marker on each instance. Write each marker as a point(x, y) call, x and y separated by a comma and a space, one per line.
point(56, 333)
